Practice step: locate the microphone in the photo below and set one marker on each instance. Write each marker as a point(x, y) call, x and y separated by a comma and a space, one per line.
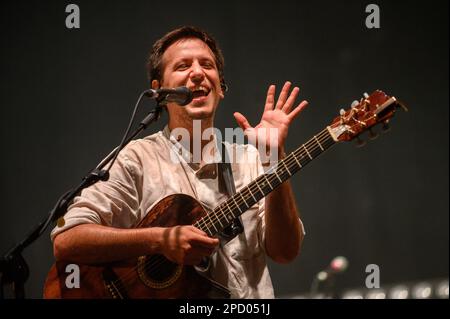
point(179, 95)
point(338, 265)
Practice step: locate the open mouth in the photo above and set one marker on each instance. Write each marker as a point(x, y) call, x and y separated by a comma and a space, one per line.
point(200, 92)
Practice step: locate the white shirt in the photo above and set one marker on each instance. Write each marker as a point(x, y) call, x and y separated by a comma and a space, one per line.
point(145, 172)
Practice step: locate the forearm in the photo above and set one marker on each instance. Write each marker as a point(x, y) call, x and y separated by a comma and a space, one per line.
point(284, 233)
point(92, 243)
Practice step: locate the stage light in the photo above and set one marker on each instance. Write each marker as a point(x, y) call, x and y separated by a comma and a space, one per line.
point(431, 288)
point(422, 290)
point(399, 292)
point(376, 294)
point(353, 294)
point(297, 297)
point(442, 290)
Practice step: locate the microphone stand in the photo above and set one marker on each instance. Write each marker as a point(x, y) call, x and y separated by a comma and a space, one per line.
point(316, 286)
point(13, 267)
point(323, 285)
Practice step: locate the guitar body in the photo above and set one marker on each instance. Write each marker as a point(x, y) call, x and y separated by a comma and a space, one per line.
point(144, 277)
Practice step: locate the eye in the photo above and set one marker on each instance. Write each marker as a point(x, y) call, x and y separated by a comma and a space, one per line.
point(181, 66)
point(208, 65)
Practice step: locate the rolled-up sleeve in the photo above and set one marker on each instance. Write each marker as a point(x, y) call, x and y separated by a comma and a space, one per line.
point(114, 202)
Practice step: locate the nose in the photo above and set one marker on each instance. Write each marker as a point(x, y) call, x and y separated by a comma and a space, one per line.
point(197, 75)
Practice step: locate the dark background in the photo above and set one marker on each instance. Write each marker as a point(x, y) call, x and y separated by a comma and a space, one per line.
point(67, 94)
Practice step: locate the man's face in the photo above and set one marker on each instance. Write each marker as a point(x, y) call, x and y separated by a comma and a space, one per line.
point(190, 62)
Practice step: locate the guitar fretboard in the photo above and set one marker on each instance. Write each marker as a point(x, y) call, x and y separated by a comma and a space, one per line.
point(222, 216)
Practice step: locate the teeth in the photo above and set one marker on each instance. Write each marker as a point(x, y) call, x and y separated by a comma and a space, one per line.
point(200, 91)
point(203, 89)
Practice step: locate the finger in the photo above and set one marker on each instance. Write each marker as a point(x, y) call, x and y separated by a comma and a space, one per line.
point(270, 99)
point(200, 237)
point(283, 95)
point(197, 231)
point(204, 241)
point(295, 112)
point(242, 121)
point(290, 101)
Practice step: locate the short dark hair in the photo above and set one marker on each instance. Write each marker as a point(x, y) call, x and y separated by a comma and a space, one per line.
point(154, 62)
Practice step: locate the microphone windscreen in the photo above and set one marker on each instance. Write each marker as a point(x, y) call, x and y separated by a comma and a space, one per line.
point(339, 264)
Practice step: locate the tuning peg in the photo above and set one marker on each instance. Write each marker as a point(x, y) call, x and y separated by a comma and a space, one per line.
point(355, 103)
point(372, 135)
point(385, 127)
point(360, 142)
point(365, 95)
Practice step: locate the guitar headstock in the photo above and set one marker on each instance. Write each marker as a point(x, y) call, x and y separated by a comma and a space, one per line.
point(363, 115)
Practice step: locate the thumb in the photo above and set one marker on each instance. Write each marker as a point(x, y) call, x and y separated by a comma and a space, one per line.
point(242, 121)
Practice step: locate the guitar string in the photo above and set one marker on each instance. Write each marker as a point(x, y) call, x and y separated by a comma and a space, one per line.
point(271, 177)
point(246, 191)
point(321, 137)
point(150, 266)
point(155, 263)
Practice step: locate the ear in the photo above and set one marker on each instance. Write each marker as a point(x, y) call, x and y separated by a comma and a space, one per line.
point(223, 89)
point(155, 84)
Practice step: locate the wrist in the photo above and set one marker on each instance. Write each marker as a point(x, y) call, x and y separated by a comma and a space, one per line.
point(155, 240)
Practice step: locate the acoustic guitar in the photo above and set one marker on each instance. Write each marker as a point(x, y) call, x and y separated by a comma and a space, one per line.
point(154, 276)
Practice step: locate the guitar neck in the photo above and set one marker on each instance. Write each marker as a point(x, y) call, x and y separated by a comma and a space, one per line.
point(223, 215)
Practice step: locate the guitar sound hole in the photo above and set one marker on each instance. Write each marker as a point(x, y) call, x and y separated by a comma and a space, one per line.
point(159, 268)
point(156, 271)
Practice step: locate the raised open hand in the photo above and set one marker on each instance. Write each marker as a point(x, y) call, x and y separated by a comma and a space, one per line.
point(276, 118)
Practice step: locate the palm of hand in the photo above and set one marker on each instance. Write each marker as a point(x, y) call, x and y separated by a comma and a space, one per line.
point(275, 121)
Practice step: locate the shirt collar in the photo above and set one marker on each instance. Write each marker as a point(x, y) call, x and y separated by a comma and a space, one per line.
point(183, 150)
